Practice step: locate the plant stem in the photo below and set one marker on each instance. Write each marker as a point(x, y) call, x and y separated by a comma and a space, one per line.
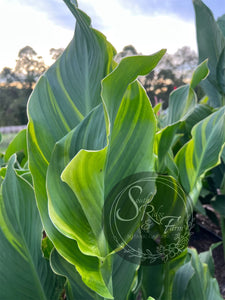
point(167, 282)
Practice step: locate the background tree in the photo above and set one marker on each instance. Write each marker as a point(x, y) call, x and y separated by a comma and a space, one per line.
point(55, 53)
point(127, 51)
point(17, 85)
point(8, 75)
point(29, 67)
point(172, 71)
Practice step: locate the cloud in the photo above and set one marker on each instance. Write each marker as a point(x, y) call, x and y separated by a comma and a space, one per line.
point(146, 32)
point(183, 9)
point(148, 25)
point(56, 10)
point(23, 25)
point(179, 8)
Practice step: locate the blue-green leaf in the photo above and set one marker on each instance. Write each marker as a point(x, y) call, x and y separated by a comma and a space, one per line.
point(202, 152)
point(24, 273)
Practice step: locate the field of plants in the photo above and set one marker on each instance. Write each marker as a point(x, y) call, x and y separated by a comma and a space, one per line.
point(104, 196)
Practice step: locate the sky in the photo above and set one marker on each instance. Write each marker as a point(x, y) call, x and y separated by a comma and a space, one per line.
point(148, 25)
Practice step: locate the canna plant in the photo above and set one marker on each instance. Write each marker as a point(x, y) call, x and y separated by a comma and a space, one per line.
point(83, 213)
point(211, 33)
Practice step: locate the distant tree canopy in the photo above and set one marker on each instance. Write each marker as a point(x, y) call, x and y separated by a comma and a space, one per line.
point(55, 53)
point(127, 51)
point(17, 85)
point(29, 66)
point(172, 71)
point(9, 75)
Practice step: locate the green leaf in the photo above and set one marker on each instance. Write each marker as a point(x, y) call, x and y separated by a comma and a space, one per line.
point(194, 281)
point(202, 152)
point(75, 287)
point(2, 161)
point(200, 112)
point(157, 108)
point(123, 277)
point(183, 100)
point(207, 258)
point(164, 140)
point(74, 215)
point(131, 119)
point(223, 155)
point(200, 73)
point(64, 95)
point(69, 215)
point(220, 71)
point(211, 43)
point(158, 279)
point(18, 146)
point(132, 123)
point(181, 281)
point(24, 273)
point(219, 205)
point(221, 23)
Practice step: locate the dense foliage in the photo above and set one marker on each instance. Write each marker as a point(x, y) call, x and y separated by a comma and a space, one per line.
point(97, 193)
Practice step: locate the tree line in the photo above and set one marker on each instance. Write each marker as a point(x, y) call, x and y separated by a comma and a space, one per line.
point(18, 83)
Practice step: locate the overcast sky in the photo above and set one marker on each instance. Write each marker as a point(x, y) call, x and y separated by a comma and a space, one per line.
point(148, 25)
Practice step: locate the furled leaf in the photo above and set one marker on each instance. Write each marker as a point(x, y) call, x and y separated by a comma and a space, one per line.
point(64, 95)
point(69, 215)
point(132, 126)
point(202, 152)
point(75, 225)
point(24, 273)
